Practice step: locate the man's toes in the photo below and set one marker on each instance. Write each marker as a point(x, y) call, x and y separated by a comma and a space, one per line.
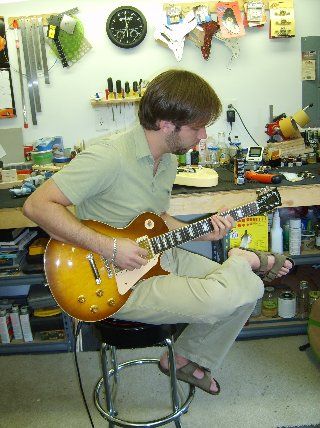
point(214, 386)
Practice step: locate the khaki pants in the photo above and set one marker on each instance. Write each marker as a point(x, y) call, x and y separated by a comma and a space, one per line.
point(214, 299)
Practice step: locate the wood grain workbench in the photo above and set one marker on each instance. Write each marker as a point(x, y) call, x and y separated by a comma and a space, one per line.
point(191, 200)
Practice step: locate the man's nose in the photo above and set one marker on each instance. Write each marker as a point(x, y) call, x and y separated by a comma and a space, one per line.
point(202, 134)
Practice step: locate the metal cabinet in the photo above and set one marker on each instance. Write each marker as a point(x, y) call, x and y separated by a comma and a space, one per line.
point(311, 88)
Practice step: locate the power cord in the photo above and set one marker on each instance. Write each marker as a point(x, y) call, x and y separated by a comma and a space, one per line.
point(78, 329)
point(231, 106)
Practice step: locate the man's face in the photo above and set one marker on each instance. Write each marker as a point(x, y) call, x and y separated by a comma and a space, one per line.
point(179, 142)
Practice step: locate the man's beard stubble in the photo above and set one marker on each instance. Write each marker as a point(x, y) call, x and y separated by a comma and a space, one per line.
point(174, 144)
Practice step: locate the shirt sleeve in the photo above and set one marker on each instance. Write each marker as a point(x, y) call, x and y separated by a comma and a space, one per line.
point(91, 172)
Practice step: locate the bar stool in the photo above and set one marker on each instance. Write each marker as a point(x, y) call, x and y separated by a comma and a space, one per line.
point(115, 334)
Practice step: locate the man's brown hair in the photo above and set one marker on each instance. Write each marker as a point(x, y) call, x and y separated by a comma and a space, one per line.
point(181, 97)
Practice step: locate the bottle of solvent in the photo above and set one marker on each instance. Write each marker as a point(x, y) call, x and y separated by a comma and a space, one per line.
point(25, 324)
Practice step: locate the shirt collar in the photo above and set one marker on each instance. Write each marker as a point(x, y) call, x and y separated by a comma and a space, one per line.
point(142, 146)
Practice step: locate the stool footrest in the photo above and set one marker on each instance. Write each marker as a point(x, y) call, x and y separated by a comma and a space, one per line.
point(152, 423)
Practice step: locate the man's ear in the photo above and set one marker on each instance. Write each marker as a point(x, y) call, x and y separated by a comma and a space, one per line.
point(166, 126)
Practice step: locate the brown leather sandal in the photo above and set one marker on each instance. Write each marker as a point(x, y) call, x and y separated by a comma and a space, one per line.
point(185, 374)
point(271, 274)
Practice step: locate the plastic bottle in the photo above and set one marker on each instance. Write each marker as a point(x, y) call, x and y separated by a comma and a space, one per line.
point(311, 219)
point(182, 160)
point(188, 157)
point(276, 234)
point(212, 151)
point(202, 153)
point(223, 150)
point(286, 232)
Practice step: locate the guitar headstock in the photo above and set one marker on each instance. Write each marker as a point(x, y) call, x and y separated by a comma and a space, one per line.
point(268, 199)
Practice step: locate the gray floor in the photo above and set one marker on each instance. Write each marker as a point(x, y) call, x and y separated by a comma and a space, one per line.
point(265, 383)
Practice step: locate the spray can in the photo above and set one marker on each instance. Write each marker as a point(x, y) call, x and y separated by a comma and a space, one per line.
point(25, 324)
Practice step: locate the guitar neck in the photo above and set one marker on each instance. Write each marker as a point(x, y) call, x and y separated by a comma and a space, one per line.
point(197, 229)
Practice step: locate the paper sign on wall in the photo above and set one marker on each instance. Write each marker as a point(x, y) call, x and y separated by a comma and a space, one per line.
point(7, 107)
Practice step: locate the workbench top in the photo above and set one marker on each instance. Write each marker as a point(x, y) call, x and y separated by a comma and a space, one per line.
point(194, 200)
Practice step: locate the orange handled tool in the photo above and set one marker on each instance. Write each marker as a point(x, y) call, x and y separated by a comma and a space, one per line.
point(263, 178)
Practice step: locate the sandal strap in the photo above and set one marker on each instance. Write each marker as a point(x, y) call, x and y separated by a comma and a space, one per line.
point(262, 256)
point(185, 373)
point(279, 260)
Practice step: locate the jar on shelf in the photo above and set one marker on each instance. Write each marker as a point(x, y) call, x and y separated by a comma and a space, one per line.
point(287, 304)
point(303, 300)
point(269, 303)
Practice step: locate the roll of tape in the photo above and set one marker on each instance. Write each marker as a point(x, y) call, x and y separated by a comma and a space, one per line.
point(287, 305)
point(301, 118)
point(287, 127)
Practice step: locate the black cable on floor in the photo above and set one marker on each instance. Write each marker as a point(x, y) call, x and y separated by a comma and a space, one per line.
point(78, 329)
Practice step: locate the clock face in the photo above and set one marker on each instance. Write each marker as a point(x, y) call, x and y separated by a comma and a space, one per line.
point(126, 27)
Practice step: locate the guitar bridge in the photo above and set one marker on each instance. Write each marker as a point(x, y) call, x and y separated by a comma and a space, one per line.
point(144, 242)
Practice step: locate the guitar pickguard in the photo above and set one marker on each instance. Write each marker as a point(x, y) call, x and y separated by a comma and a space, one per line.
point(127, 278)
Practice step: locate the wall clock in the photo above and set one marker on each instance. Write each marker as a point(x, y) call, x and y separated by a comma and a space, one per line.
point(126, 27)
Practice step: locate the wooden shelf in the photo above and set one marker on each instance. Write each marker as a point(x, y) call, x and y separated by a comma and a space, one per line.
point(112, 101)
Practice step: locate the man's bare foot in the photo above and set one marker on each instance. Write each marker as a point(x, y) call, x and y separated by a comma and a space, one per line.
point(254, 261)
point(181, 362)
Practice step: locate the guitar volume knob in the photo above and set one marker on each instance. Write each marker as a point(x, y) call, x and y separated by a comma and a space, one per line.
point(94, 309)
point(111, 302)
point(81, 298)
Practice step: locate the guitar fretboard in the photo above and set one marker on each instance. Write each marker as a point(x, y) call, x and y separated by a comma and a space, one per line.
point(199, 228)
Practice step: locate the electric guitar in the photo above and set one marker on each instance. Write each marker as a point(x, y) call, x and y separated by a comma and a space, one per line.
point(89, 288)
point(196, 177)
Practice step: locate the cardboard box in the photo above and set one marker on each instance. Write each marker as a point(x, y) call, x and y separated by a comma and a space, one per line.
point(250, 232)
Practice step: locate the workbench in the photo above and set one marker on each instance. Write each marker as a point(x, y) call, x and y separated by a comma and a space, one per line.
point(199, 201)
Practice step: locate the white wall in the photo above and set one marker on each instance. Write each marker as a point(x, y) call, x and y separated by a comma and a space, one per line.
point(266, 72)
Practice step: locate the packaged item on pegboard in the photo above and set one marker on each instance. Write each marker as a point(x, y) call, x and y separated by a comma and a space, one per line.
point(250, 232)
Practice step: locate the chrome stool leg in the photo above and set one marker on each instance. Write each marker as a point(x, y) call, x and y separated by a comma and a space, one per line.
point(173, 380)
point(116, 377)
point(106, 381)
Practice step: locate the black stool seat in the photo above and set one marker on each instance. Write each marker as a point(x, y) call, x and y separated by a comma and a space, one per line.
point(127, 334)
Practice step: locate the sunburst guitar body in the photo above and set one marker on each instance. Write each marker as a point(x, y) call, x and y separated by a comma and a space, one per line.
point(71, 278)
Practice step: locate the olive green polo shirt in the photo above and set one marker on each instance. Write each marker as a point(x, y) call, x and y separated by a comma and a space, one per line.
point(112, 181)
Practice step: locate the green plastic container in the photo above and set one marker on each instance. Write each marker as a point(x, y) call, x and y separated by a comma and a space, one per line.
point(42, 157)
